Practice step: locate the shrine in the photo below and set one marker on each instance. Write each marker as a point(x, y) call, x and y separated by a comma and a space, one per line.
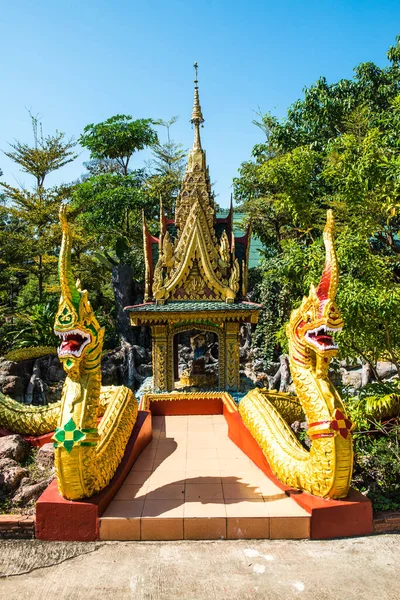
point(196, 283)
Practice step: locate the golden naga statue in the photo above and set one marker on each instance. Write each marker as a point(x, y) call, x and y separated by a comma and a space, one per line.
point(87, 454)
point(326, 469)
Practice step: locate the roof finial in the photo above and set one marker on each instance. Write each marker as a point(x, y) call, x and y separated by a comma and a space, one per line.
point(197, 116)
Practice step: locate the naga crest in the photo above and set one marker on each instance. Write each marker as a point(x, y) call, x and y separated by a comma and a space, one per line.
point(312, 324)
point(75, 323)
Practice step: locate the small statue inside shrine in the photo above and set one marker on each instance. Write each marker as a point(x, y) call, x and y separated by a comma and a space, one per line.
point(197, 373)
point(198, 345)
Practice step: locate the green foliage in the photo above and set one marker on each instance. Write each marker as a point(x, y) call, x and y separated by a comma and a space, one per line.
point(105, 214)
point(375, 402)
point(377, 468)
point(111, 200)
point(29, 232)
point(375, 412)
point(383, 406)
point(34, 328)
point(48, 154)
point(36, 472)
point(118, 138)
point(109, 208)
point(338, 147)
point(7, 507)
point(166, 171)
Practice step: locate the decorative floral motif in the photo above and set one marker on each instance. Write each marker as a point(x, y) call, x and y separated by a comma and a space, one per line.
point(68, 436)
point(341, 424)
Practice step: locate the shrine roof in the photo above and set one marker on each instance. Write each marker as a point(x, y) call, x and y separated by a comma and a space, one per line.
point(193, 311)
point(194, 306)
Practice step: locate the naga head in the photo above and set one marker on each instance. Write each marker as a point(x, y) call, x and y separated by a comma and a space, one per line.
point(75, 323)
point(312, 324)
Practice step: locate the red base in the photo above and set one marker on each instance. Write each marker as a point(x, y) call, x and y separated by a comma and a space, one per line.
point(34, 440)
point(329, 518)
point(39, 440)
point(65, 520)
point(201, 406)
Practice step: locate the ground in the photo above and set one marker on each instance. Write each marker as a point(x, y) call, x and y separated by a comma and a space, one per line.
point(349, 569)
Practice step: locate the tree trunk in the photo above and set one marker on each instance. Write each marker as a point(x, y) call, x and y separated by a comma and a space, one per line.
point(36, 383)
point(40, 277)
point(125, 294)
point(130, 374)
point(274, 381)
point(282, 376)
point(123, 287)
point(245, 334)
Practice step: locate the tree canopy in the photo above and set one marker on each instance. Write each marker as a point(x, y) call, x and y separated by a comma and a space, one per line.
point(338, 147)
point(118, 138)
point(105, 211)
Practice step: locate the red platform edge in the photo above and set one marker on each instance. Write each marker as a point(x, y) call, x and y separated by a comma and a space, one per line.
point(351, 516)
point(34, 440)
point(59, 519)
point(198, 406)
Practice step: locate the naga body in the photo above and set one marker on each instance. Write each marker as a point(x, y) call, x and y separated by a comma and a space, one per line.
point(326, 469)
point(38, 420)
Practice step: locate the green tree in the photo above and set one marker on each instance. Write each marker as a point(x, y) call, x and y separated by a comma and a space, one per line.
point(109, 204)
point(29, 218)
point(338, 147)
point(166, 170)
point(118, 138)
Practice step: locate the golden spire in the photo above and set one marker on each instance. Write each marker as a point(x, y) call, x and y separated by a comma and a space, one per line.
point(197, 116)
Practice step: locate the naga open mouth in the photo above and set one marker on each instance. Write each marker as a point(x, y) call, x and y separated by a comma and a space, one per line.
point(320, 338)
point(73, 342)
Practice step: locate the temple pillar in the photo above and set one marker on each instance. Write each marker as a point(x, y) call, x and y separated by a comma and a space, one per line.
point(232, 356)
point(160, 358)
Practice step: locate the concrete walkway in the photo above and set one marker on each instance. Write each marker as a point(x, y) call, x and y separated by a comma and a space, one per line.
point(359, 569)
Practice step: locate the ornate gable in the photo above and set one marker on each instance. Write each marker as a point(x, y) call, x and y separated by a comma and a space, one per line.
point(195, 270)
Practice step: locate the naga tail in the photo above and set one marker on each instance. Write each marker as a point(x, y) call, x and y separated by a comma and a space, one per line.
point(28, 420)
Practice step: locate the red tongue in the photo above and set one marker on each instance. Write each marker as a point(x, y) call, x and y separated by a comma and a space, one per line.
point(326, 340)
point(72, 344)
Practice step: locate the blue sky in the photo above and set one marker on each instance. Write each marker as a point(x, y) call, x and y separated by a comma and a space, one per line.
point(75, 63)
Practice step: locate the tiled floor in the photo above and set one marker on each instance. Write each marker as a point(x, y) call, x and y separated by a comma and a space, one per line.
point(192, 482)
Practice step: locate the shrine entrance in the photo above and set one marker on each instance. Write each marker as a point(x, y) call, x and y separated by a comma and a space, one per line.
point(196, 359)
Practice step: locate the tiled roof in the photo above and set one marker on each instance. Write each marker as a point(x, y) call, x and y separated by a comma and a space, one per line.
point(193, 306)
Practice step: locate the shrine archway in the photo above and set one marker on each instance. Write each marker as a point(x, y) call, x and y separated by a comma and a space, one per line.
point(198, 356)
